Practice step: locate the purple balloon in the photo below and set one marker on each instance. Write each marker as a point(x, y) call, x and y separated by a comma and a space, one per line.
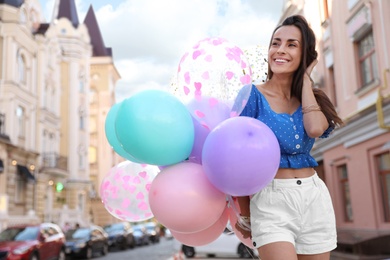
point(241, 156)
point(201, 133)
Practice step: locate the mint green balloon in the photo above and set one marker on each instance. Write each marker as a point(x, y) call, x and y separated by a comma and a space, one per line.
point(155, 127)
point(112, 139)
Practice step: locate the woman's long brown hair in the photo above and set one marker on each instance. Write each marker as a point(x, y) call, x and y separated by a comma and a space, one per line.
point(309, 54)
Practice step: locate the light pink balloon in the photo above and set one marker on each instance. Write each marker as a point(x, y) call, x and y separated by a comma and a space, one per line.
point(182, 198)
point(125, 191)
point(206, 236)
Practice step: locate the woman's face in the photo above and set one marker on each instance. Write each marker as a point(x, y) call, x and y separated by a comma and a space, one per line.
point(284, 55)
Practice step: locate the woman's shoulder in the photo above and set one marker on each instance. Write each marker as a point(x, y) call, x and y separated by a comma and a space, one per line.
point(260, 89)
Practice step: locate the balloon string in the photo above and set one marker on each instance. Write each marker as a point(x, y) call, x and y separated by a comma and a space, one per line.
point(233, 206)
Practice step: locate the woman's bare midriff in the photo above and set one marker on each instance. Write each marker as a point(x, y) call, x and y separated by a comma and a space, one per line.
point(294, 173)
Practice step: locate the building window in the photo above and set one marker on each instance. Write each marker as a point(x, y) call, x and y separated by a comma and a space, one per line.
point(81, 201)
point(325, 12)
point(81, 86)
point(82, 157)
point(92, 96)
point(21, 121)
point(2, 124)
point(367, 59)
point(92, 154)
point(93, 124)
point(21, 68)
point(81, 119)
point(332, 85)
point(383, 166)
point(345, 192)
point(352, 3)
point(20, 188)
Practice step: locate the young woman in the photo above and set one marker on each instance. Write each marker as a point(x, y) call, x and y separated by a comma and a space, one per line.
point(293, 217)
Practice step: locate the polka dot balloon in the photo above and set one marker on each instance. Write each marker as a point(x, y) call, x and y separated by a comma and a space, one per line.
point(125, 190)
point(212, 71)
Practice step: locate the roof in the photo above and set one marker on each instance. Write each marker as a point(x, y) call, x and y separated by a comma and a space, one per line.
point(16, 3)
point(42, 28)
point(67, 9)
point(99, 48)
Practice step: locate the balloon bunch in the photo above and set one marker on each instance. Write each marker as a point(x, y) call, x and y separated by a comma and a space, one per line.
point(189, 151)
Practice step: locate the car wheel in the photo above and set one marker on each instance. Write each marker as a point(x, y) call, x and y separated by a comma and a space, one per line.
point(61, 255)
point(89, 253)
point(105, 250)
point(132, 243)
point(188, 251)
point(244, 251)
point(34, 256)
point(124, 245)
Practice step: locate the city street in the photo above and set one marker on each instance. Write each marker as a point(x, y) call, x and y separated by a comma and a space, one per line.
point(165, 250)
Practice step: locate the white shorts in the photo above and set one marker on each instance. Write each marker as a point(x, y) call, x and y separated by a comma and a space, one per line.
point(298, 211)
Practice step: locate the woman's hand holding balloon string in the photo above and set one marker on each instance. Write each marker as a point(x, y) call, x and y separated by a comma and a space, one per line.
point(244, 228)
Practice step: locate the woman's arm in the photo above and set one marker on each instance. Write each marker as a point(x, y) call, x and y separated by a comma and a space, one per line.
point(314, 120)
point(243, 203)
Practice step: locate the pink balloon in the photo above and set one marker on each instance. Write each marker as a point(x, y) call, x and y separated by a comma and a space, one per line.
point(234, 212)
point(241, 156)
point(205, 236)
point(182, 198)
point(125, 191)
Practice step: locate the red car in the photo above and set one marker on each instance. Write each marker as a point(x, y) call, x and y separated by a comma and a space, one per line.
point(44, 241)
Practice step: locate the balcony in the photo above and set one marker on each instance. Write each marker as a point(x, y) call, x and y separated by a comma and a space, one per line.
point(52, 163)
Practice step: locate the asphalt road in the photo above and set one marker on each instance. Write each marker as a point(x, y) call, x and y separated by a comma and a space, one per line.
point(164, 250)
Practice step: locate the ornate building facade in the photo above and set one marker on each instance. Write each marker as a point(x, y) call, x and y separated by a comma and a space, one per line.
point(57, 85)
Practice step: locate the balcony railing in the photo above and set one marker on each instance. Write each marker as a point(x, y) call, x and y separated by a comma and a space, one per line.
point(53, 160)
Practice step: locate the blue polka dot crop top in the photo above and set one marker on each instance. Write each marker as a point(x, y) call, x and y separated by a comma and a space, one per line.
point(295, 144)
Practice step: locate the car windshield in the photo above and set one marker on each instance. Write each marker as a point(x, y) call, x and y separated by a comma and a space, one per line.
point(138, 227)
point(77, 233)
point(19, 234)
point(150, 227)
point(113, 227)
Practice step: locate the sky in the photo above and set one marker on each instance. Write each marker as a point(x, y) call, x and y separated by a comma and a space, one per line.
point(149, 37)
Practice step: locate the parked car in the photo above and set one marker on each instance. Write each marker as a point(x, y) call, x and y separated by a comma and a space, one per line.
point(153, 231)
point(34, 242)
point(86, 242)
point(226, 245)
point(140, 235)
point(120, 235)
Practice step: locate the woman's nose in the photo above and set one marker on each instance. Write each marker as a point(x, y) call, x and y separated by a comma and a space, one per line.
point(280, 49)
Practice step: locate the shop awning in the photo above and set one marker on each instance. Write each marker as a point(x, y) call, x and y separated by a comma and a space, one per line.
point(23, 170)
